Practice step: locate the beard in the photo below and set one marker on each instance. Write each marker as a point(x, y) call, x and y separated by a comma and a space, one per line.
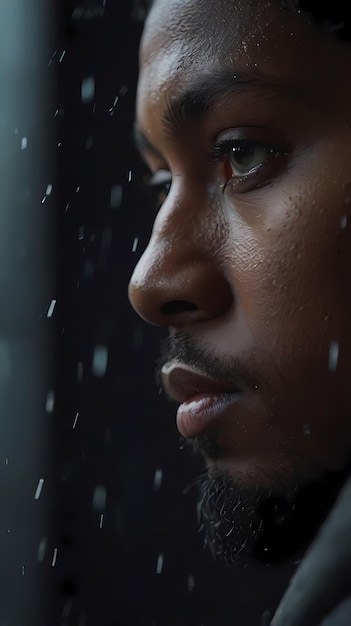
point(270, 524)
point(272, 521)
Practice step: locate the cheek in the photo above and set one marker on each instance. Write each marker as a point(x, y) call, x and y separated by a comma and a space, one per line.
point(290, 258)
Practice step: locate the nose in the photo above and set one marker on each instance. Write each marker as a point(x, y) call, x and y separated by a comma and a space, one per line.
point(178, 280)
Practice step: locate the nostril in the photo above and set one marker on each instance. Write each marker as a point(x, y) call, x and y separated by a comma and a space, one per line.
point(176, 307)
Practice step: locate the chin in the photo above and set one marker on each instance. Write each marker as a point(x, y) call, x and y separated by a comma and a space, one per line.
point(268, 516)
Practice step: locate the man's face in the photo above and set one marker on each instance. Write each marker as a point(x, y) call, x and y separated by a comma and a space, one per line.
point(247, 107)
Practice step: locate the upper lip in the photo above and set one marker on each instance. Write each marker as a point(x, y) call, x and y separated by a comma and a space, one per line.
point(182, 382)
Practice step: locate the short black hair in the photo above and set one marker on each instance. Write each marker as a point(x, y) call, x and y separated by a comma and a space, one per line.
point(331, 15)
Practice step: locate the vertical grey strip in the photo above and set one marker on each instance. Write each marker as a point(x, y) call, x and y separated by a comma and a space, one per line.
point(27, 176)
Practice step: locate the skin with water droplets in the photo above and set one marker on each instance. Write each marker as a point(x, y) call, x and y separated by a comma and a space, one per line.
point(264, 263)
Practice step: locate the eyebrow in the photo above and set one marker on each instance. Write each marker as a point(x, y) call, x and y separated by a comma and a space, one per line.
point(208, 88)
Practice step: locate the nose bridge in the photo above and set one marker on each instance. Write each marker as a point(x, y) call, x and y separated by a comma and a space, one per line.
point(178, 279)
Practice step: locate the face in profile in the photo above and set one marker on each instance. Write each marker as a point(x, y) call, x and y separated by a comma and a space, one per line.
point(244, 112)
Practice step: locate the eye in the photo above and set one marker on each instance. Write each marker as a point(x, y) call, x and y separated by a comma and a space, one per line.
point(160, 184)
point(244, 159)
point(249, 164)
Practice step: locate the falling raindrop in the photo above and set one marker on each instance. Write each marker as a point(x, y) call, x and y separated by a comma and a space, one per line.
point(159, 566)
point(99, 497)
point(135, 244)
point(88, 89)
point(333, 356)
point(100, 361)
point(112, 109)
point(51, 308)
point(116, 196)
point(67, 609)
point(75, 420)
point(50, 402)
point(106, 239)
point(42, 549)
point(80, 371)
point(158, 479)
point(24, 143)
point(52, 58)
point(343, 222)
point(89, 142)
point(54, 558)
point(39, 489)
point(191, 583)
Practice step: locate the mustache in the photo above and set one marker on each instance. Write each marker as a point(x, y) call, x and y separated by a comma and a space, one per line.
point(221, 367)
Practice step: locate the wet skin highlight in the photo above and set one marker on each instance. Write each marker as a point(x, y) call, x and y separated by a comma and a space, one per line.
point(253, 264)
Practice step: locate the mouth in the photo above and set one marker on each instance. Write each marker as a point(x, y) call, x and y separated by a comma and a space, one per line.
point(203, 400)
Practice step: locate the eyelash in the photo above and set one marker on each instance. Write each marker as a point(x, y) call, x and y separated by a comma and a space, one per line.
point(223, 147)
point(259, 175)
point(234, 183)
point(158, 191)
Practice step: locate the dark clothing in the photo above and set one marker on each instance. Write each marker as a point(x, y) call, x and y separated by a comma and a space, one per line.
point(319, 593)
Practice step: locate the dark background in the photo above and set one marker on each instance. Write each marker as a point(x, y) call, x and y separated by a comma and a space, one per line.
point(122, 547)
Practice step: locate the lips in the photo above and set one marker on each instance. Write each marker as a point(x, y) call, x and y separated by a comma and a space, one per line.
point(203, 400)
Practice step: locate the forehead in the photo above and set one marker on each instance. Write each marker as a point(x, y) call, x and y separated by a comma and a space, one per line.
point(183, 38)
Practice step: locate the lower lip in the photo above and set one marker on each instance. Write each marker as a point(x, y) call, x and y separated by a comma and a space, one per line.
point(202, 412)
